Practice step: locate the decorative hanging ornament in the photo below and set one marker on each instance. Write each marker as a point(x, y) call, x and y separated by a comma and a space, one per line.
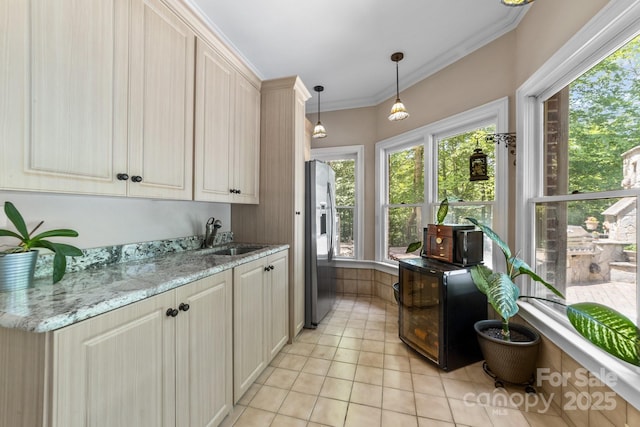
point(478, 166)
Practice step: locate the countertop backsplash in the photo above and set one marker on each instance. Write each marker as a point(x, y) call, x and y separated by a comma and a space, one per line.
point(107, 255)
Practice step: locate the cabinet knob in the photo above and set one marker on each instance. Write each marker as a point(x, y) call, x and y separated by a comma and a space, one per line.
point(183, 306)
point(266, 268)
point(271, 267)
point(122, 177)
point(297, 212)
point(136, 178)
point(172, 312)
point(238, 191)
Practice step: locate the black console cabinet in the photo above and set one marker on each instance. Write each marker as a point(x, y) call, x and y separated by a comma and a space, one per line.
point(439, 303)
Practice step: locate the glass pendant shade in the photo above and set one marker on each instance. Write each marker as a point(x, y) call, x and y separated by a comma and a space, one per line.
point(398, 111)
point(319, 131)
point(516, 2)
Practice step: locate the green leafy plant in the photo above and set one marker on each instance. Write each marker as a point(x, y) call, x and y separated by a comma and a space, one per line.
point(601, 325)
point(440, 216)
point(28, 241)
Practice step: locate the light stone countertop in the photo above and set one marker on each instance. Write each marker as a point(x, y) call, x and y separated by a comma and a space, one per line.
point(88, 293)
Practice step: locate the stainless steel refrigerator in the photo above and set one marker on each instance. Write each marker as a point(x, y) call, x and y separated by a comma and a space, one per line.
point(321, 235)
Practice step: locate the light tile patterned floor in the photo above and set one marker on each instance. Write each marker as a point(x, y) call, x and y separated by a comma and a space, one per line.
point(354, 371)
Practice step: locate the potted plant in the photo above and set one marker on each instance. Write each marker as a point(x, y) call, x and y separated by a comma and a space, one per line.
point(506, 358)
point(591, 223)
point(17, 264)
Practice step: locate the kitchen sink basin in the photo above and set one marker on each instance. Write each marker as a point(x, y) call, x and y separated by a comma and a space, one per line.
point(238, 250)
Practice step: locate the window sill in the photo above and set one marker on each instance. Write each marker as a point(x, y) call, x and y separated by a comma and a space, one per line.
point(626, 377)
point(359, 263)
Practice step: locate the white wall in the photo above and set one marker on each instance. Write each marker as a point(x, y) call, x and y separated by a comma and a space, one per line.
point(105, 221)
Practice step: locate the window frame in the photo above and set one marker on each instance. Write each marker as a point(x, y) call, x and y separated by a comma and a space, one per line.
point(356, 153)
point(617, 23)
point(494, 112)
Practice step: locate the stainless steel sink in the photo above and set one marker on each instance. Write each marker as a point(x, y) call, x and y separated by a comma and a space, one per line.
point(238, 250)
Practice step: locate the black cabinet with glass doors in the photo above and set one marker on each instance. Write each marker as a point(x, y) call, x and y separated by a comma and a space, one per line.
point(439, 303)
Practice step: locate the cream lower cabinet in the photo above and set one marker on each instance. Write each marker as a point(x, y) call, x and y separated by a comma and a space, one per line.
point(139, 366)
point(260, 317)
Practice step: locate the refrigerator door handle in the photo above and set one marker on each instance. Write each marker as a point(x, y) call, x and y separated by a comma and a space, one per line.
point(331, 221)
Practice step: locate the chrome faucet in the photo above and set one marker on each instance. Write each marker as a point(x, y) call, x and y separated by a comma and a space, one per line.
point(211, 229)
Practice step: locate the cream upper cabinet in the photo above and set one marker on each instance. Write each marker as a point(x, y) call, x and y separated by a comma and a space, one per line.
point(63, 95)
point(98, 99)
point(246, 142)
point(163, 361)
point(161, 98)
point(227, 134)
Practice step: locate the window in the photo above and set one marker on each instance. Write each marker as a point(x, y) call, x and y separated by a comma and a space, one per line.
point(405, 196)
point(416, 170)
point(346, 162)
point(584, 238)
point(577, 198)
point(467, 198)
point(586, 213)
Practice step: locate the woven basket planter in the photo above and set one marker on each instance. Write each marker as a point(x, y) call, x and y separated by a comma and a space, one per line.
point(510, 361)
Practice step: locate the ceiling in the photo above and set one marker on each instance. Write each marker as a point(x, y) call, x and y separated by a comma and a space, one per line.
point(346, 45)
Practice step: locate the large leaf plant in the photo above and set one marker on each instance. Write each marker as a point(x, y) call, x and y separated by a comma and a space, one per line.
point(601, 325)
point(28, 241)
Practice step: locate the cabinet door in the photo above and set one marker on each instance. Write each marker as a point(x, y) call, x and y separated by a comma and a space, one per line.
point(213, 145)
point(161, 102)
point(249, 345)
point(297, 287)
point(117, 369)
point(277, 307)
point(246, 173)
point(204, 351)
point(63, 95)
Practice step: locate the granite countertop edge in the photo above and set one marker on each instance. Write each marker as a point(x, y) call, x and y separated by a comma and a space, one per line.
point(89, 293)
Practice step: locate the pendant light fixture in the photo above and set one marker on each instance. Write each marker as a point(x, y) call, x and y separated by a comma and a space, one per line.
point(516, 2)
point(319, 131)
point(398, 111)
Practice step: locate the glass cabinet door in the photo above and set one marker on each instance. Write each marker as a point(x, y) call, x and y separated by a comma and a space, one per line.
point(420, 311)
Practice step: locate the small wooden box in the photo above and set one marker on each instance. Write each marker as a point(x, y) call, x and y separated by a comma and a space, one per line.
point(440, 241)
